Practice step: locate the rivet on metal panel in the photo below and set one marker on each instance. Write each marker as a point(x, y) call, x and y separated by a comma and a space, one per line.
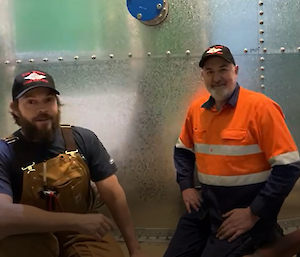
point(159, 6)
point(261, 12)
point(76, 57)
point(158, 234)
point(261, 3)
point(261, 40)
point(265, 49)
point(168, 52)
point(188, 52)
point(93, 57)
point(60, 58)
point(262, 86)
point(261, 31)
point(45, 59)
point(262, 77)
point(246, 50)
point(165, 9)
point(262, 68)
point(7, 62)
point(261, 22)
point(111, 56)
point(129, 54)
point(282, 49)
point(18, 61)
point(299, 49)
point(262, 59)
point(149, 54)
point(31, 60)
point(139, 16)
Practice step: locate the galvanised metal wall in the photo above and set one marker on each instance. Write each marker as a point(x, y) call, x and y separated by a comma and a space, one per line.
point(131, 83)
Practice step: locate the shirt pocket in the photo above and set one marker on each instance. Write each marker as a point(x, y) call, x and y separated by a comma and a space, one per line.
point(199, 136)
point(234, 137)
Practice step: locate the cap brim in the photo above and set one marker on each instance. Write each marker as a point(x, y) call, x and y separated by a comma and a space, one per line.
point(201, 63)
point(30, 88)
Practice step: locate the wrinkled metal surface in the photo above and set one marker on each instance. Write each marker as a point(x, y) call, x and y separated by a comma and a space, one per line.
point(134, 93)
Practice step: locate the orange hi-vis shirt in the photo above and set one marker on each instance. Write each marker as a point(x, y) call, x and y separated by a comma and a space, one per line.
point(237, 150)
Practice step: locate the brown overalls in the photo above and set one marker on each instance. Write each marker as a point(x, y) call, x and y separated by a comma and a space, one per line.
point(61, 184)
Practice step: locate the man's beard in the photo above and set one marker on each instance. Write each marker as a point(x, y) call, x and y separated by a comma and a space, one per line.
point(35, 134)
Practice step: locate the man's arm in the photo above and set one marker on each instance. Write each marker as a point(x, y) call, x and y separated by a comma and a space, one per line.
point(22, 219)
point(276, 142)
point(113, 195)
point(184, 156)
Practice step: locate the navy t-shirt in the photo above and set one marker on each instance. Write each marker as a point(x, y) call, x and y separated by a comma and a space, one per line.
point(100, 164)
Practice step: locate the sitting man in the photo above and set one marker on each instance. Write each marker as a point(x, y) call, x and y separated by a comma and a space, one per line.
point(47, 202)
point(247, 164)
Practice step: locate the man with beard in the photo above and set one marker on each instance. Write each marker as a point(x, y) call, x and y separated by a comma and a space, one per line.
point(247, 164)
point(47, 202)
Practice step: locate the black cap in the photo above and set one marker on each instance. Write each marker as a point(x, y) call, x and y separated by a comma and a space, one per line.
point(217, 50)
point(29, 80)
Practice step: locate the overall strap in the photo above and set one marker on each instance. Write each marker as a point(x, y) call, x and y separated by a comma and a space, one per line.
point(68, 137)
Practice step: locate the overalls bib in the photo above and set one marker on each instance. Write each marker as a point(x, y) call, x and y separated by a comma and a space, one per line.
point(60, 184)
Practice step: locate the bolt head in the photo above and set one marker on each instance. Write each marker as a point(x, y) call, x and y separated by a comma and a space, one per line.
point(298, 49)
point(262, 86)
point(139, 16)
point(261, 31)
point(76, 57)
point(245, 50)
point(261, 40)
point(265, 49)
point(262, 77)
point(7, 62)
point(18, 61)
point(261, 12)
point(261, 22)
point(60, 58)
point(261, 3)
point(188, 52)
point(262, 59)
point(129, 54)
point(45, 59)
point(168, 52)
point(31, 60)
point(159, 6)
point(149, 54)
point(282, 49)
point(111, 56)
point(262, 68)
point(93, 57)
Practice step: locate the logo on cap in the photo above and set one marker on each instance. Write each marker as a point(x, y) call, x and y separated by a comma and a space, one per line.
point(215, 50)
point(33, 77)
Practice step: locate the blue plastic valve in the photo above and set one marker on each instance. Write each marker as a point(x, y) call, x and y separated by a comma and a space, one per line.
point(145, 10)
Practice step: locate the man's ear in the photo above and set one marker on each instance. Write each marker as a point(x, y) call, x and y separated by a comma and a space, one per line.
point(14, 108)
point(236, 68)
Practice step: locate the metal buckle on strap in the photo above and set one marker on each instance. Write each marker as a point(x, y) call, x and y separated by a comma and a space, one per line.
point(72, 153)
point(29, 168)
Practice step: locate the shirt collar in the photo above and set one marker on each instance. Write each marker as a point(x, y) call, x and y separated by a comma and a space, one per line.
point(231, 101)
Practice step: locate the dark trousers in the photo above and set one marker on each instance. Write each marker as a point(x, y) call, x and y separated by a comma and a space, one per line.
point(193, 238)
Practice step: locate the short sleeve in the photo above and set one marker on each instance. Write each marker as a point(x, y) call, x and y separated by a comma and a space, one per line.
point(185, 139)
point(275, 139)
point(5, 181)
point(100, 163)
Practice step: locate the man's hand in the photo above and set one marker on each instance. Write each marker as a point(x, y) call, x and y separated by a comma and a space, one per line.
point(238, 221)
point(96, 225)
point(192, 198)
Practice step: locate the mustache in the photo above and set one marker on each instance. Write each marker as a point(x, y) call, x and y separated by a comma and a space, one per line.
point(43, 116)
